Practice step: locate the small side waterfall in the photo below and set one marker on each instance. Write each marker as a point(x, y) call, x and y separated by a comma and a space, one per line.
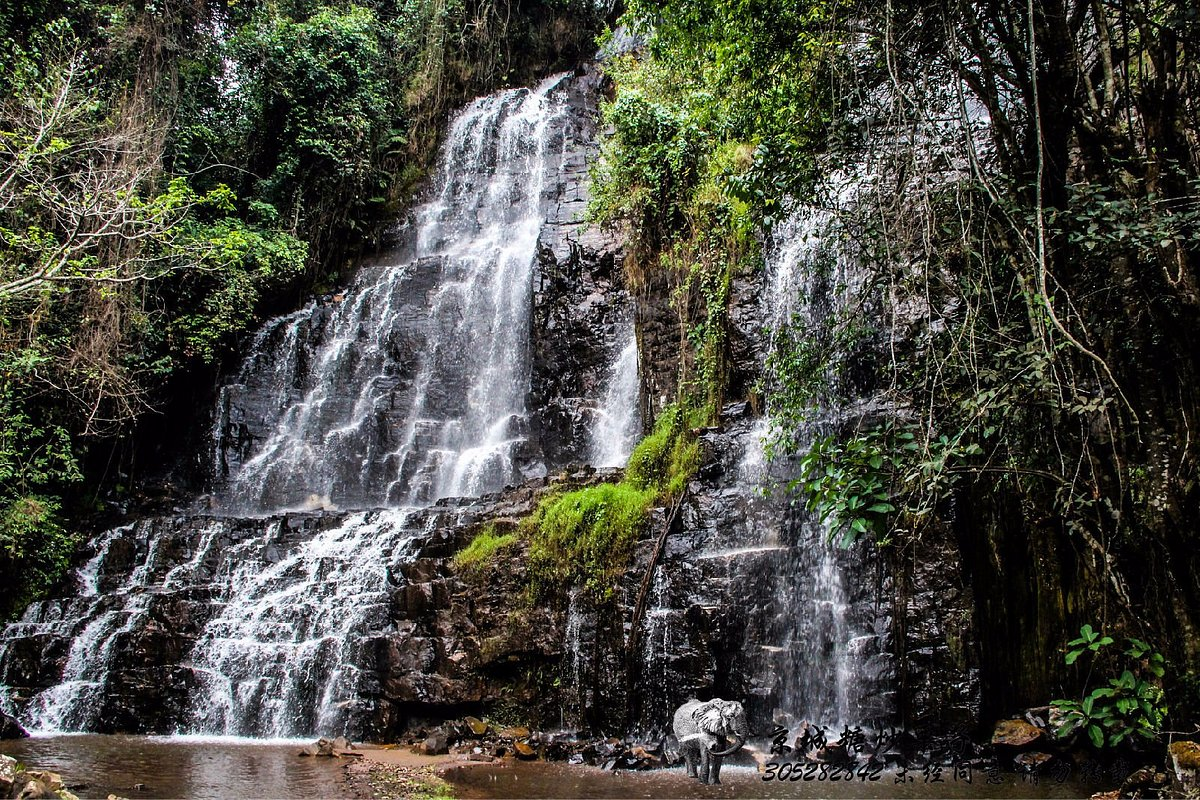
point(831, 665)
point(618, 422)
point(750, 599)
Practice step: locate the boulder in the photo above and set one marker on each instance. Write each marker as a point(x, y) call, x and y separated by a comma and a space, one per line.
point(525, 750)
point(1145, 782)
point(322, 747)
point(1032, 761)
point(34, 790)
point(52, 780)
point(1185, 757)
point(435, 745)
point(10, 728)
point(477, 726)
point(1015, 733)
point(8, 774)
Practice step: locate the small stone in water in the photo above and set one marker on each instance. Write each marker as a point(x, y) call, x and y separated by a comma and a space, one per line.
point(1015, 733)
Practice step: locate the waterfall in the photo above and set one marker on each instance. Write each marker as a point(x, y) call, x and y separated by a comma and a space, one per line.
point(618, 422)
point(283, 655)
point(266, 610)
point(828, 664)
point(410, 385)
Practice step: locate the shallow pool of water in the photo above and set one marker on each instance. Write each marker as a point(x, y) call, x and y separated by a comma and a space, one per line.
point(181, 767)
point(511, 779)
point(241, 768)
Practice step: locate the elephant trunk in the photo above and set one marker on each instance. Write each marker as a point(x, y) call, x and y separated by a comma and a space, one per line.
point(738, 741)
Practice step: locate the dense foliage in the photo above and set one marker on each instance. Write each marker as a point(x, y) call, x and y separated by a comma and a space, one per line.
point(1015, 186)
point(1130, 704)
point(168, 173)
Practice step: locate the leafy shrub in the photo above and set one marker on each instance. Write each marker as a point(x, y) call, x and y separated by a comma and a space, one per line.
point(849, 484)
point(1130, 704)
point(35, 551)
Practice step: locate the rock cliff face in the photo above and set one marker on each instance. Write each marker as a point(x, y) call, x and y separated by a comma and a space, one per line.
point(580, 307)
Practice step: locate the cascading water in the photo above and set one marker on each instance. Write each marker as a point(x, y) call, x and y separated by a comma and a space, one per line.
point(257, 617)
point(618, 422)
point(751, 601)
point(829, 667)
point(410, 385)
point(284, 653)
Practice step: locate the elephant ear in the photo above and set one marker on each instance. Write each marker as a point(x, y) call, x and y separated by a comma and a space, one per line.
point(708, 718)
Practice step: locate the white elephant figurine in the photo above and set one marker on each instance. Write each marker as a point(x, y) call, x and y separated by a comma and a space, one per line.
point(702, 729)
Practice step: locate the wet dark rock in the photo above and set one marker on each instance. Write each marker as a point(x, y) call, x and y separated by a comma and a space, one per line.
point(579, 306)
point(1032, 761)
point(10, 728)
point(1145, 782)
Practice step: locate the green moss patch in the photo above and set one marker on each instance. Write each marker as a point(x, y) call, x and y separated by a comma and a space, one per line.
point(483, 548)
point(585, 537)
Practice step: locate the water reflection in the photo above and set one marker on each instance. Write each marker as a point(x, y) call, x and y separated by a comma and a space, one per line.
point(190, 767)
point(514, 779)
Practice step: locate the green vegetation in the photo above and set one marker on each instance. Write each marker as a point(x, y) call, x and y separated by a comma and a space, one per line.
point(477, 555)
point(1132, 703)
point(665, 460)
point(585, 537)
point(674, 177)
point(35, 550)
point(848, 484)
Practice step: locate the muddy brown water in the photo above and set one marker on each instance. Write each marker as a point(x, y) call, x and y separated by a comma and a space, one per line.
point(185, 767)
point(509, 779)
point(181, 767)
